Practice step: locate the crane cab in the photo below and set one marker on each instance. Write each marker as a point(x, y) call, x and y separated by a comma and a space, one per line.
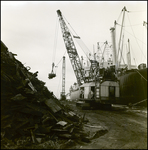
point(88, 90)
point(106, 92)
point(109, 92)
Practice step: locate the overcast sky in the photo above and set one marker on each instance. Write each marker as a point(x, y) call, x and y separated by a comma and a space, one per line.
point(29, 29)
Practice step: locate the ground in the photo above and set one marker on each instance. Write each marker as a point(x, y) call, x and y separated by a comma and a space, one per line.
point(120, 127)
point(126, 127)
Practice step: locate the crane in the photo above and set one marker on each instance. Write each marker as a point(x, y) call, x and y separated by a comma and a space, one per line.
point(93, 87)
point(63, 97)
point(71, 50)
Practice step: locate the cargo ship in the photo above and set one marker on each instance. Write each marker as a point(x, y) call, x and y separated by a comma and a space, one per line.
point(132, 79)
point(102, 80)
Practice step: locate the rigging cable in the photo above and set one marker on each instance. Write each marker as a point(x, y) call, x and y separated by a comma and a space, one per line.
point(60, 79)
point(77, 37)
point(70, 26)
point(119, 16)
point(141, 75)
point(136, 11)
point(134, 55)
point(132, 35)
point(143, 31)
point(61, 59)
point(142, 40)
point(130, 25)
point(135, 37)
point(55, 41)
point(83, 46)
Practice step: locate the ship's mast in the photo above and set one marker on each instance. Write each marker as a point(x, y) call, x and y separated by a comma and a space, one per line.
point(114, 44)
point(124, 9)
point(129, 56)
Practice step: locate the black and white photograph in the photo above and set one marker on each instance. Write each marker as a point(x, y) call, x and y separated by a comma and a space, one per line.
point(73, 74)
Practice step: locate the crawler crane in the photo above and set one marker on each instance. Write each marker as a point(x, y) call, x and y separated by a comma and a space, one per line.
point(104, 87)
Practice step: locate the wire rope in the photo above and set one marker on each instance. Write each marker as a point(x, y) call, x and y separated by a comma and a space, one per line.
point(141, 75)
point(134, 56)
point(60, 79)
point(142, 40)
point(132, 35)
point(130, 25)
point(70, 26)
point(136, 11)
point(55, 41)
point(82, 45)
point(61, 59)
point(135, 37)
point(119, 16)
point(79, 39)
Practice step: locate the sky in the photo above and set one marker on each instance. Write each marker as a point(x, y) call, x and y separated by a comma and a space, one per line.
point(31, 30)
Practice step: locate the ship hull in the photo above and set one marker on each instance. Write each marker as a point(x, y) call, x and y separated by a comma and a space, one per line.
point(133, 87)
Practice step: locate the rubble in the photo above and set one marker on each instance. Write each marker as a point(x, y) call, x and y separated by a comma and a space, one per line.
point(31, 114)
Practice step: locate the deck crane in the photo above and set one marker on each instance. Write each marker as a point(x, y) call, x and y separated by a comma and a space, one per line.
point(71, 50)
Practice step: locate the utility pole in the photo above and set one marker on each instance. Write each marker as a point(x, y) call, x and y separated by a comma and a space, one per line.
point(63, 97)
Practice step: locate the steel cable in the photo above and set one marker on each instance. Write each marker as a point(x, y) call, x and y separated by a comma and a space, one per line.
point(135, 37)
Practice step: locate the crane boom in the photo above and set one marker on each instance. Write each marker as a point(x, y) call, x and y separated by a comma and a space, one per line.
point(71, 50)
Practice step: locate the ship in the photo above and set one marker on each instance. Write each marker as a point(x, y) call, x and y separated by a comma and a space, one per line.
point(132, 78)
point(106, 62)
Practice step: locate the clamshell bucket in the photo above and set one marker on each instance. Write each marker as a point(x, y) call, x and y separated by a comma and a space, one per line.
point(51, 75)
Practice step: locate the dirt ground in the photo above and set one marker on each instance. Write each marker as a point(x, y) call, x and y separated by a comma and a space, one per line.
point(126, 127)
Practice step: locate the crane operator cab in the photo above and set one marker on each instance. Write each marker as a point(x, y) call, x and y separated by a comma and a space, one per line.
point(52, 74)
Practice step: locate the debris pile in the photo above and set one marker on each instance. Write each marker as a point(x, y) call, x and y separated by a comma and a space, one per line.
point(30, 113)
